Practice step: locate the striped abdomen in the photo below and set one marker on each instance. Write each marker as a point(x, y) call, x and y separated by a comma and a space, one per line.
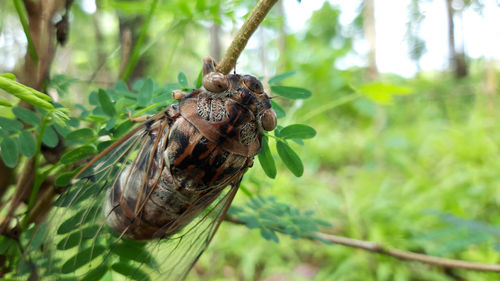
point(187, 171)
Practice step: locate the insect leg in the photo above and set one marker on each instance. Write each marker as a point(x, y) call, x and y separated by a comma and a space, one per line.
point(178, 94)
point(139, 119)
point(208, 65)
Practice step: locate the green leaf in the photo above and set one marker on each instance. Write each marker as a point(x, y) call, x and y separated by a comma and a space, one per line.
point(27, 143)
point(76, 238)
point(130, 251)
point(71, 224)
point(199, 79)
point(49, 137)
point(78, 219)
point(26, 93)
point(182, 79)
point(6, 243)
point(26, 115)
point(266, 159)
point(37, 235)
point(95, 274)
point(105, 102)
point(81, 135)
point(74, 122)
point(78, 154)
point(280, 112)
point(82, 258)
point(5, 103)
point(291, 92)
point(123, 128)
point(250, 221)
point(290, 158)
point(8, 76)
point(61, 83)
point(269, 235)
point(10, 124)
point(62, 130)
point(146, 93)
point(103, 145)
point(9, 152)
point(65, 178)
point(130, 271)
point(297, 131)
point(280, 77)
point(93, 99)
point(110, 124)
point(383, 93)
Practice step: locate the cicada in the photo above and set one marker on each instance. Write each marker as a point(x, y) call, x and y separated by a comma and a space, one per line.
point(170, 181)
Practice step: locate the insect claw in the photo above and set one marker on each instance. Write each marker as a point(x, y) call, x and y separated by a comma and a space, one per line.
point(178, 94)
point(138, 119)
point(208, 65)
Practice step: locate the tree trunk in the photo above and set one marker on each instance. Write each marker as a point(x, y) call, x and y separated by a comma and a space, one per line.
point(43, 33)
point(491, 80)
point(101, 70)
point(369, 29)
point(129, 33)
point(457, 60)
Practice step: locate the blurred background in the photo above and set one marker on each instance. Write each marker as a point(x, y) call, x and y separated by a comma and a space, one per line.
point(405, 97)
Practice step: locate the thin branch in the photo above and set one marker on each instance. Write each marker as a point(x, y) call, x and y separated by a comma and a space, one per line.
point(21, 13)
point(241, 38)
point(409, 256)
point(399, 254)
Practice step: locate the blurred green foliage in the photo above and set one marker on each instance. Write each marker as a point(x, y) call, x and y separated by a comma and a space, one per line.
point(407, 162)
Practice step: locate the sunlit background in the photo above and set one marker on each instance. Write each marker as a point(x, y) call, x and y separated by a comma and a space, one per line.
point(478, 28)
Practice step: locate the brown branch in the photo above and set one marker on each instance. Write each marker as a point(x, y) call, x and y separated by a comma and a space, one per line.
point(399, 254)
point(240, 40)
point(409, 256)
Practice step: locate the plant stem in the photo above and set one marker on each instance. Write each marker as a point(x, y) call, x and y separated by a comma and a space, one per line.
point(38, 181)
point(240, 40)
point(22, 17)
point(134, 58)
point(405, 255)
point(399, 254)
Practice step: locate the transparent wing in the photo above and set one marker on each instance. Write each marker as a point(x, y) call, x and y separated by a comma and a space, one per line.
point(181, 251)
point(82, 246)
point(75, 233)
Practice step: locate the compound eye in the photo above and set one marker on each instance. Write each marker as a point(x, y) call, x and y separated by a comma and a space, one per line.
point(268, 120)
point(215, 82)
point(252, 83)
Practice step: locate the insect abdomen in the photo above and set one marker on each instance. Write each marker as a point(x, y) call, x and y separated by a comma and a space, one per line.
point(195, 170)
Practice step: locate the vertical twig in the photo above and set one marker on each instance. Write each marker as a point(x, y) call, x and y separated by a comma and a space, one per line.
point(37, 182)
point(21, 13)
point(134, 58)
point(241, 38)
